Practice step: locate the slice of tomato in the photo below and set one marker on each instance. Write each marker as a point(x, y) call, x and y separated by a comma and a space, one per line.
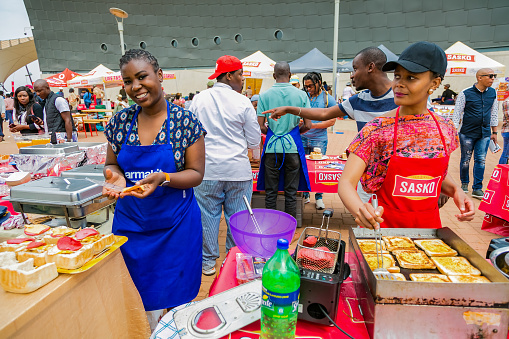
point(86, 232)
point(18, 240)
point(68, 244)
point(35, 244)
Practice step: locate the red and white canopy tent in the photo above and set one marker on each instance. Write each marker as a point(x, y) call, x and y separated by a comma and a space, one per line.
point(60, 79)
point(115, 79)
point(465, 61)
point(94, 77)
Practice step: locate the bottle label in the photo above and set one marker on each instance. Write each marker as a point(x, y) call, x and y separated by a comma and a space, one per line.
point(281, 304)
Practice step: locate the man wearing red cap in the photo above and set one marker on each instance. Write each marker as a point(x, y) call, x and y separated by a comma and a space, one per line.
point(230, 121)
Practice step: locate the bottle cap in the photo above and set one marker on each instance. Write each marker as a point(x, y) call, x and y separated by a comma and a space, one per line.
point(282, 244)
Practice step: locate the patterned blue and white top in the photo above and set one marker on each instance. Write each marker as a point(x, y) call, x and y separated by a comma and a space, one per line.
point(184, 130)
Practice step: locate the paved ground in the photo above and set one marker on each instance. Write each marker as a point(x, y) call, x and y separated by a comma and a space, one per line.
point(469, 231)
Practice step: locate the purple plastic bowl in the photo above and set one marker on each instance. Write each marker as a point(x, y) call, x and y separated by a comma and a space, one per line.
point(273, 224)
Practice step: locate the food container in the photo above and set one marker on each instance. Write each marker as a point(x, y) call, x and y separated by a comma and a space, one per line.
point(41, 139)
point(498, 258)
point(69, 197)
point(23, 141)
point(95, 151)
point(86, 171)
point(65, 148)
point(425, 309)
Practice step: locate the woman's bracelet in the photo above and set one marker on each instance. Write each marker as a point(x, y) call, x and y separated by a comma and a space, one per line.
point(300, 110)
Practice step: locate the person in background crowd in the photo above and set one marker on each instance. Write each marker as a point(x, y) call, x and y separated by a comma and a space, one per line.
point(249, 92)
point(99, 95)
point(407, 143)
point(348, 92)
point(122, 92)
point(230, 122)
point(73, 99)
point(179, 101)
point(9, 107)
point(87, 98)
point(294, 80)
point(28, 114)
point(254, 101)
point(2, 115)
point(158, 144)
point(57, 115)
point(505, 131)
point(210, 84)
point(317, 136)
point(448, 95)
point(36, 97)
point(325, 86)
point(476, 118)
point(60, 92)
point(189, 101)
point(283, 162)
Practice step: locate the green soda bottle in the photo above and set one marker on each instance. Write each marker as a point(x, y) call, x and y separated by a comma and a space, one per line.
point(280, 294)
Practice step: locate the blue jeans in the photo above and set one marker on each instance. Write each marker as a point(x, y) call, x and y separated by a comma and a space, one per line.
point(309, 144)
point(8, 116)
point(505, 152)
point(212, 196)
point(478, 146)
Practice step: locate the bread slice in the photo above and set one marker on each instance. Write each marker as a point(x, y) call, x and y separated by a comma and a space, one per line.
point(371, 259)
point(399, 276)
point(7, 258)
point(469, 279)
point(429, 277)
point(5, 247)
point(99, 241)
point(413, 259)
point(435, 248)
point(369, 245)
point(455, 266)
point(38, 254)
point(57, 232)
point(24, 278)
point(135, 188)
point(399, 243)
point(69, 260)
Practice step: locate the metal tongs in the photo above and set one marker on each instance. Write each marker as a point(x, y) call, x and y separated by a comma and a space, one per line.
point(326, 213)
point(380, 273)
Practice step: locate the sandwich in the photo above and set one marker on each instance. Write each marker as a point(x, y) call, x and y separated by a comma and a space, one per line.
point(413, 259)
point(399, 243)
point(69, 253)
point(369, 245)
point(33, 230)
point(90, 236)
point(371, 259)
point(429, 277)
point(35, 250)
point(315, 155)
point(7, 258)
point(57, 232)
point(455, 266)
point(135, 188)
point(436, 248)
point(14, 244)
point(25, 278)
point(469, 279)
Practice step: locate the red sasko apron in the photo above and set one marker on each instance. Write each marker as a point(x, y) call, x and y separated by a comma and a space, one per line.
point(410, 191)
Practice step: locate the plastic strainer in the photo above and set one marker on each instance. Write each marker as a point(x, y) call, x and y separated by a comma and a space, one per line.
point(273, 224)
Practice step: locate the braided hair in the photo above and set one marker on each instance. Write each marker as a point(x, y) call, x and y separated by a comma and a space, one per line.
point(17, 104)
point(316, 78)
point(139, 54)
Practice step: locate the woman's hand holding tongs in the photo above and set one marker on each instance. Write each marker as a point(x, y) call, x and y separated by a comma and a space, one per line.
point(369, 217)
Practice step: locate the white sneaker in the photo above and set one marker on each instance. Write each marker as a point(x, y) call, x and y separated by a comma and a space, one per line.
point(307, 200)
point(209, 271)
point(319, 204)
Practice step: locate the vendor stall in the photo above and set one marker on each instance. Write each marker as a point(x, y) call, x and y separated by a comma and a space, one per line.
point(60, 79)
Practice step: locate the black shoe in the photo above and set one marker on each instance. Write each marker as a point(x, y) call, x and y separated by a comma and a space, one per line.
point(478, 194)
point(464, 187)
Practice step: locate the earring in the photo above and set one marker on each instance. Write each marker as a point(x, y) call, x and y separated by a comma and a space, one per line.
point(430, 91)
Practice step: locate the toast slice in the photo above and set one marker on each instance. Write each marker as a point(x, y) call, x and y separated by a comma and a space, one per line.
point(7, 258)
point(369, 245)
point(38, 254)
point(455, 266)
point(24, 278)
point(435, 248)
point(399, 243)
point(429, 277)
point(69, 260)
point(371, 259)
point(413, 259)
point(99, 242)
point(469, 279)
point(135, 188)
point(57, 232)
point(399, 276)
point(7, 247)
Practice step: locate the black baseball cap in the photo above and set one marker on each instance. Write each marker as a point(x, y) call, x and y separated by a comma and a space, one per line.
point(420, 57)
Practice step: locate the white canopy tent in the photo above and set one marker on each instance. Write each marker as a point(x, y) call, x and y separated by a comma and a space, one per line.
point(258, 65)
point(94, 77)
point(465, 61)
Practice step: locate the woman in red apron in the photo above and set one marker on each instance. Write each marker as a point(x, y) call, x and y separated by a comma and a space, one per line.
point(161, 145)
point(403, 156)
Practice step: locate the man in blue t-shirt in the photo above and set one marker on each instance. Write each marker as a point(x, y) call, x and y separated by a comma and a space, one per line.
point(317, 136)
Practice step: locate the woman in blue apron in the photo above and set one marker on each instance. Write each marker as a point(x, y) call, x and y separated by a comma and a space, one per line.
point(160, 145)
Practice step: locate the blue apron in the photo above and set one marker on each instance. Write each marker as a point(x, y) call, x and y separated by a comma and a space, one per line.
point(304, 177)
point(164, 251)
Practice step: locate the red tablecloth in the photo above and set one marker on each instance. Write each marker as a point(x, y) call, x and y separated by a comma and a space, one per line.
point(322, 177)
point(349, 317)
point(495, 202)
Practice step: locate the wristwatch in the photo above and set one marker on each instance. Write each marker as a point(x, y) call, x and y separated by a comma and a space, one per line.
point(166, 181)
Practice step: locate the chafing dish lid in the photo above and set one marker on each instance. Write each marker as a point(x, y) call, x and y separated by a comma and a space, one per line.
point(51, 149)
point(56, 191)
point(82, 145)
point(87, 171)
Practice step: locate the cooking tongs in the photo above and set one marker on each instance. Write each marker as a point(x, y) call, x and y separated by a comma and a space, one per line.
point(380, 273)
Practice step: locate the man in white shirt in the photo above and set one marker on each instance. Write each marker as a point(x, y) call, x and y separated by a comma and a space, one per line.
point(230, 121)
point(348, 91)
